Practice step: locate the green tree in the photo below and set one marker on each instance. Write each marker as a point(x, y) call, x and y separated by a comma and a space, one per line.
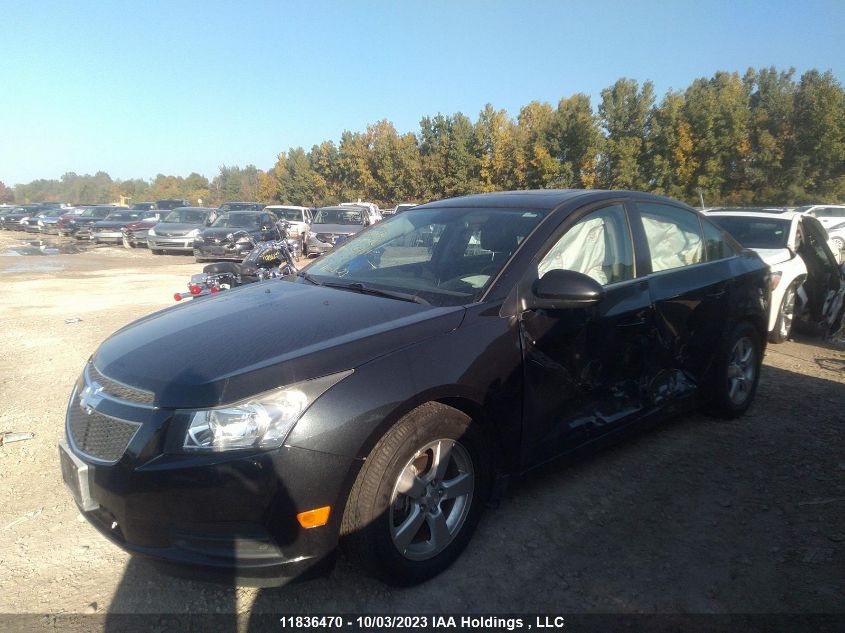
point(623, 112)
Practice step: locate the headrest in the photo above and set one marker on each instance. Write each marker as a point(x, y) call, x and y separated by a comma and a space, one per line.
point(498, 237)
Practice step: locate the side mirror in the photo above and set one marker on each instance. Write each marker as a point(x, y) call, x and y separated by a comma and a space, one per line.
point(559, 289)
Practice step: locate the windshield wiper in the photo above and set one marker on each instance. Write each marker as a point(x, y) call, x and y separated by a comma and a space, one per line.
point(368, 290)
point(307, 277)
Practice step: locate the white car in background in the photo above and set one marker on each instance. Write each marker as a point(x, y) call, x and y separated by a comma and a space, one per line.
point(299, 219)
point(828, 214)
point(836, 238)
point(807, 280)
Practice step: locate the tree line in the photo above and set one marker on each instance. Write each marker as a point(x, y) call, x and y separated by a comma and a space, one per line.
point(765, 137)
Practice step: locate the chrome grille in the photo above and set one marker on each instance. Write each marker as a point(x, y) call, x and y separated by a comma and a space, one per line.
point(97, 435)
point(114, 389)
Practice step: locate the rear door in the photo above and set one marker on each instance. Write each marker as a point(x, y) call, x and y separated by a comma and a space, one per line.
point(690, 288)
point(586, 369)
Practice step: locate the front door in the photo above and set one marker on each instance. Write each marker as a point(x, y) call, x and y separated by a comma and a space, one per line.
point(586, 369)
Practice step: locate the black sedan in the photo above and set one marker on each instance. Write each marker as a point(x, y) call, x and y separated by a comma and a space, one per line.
point(78, 226)
point(15, 219)
point(224, 239)
point(374, 399)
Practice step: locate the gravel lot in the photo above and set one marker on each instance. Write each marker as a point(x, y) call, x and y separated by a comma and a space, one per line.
point(697, 516)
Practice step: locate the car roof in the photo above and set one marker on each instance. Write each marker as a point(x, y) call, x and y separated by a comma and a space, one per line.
point(742, 213)
point(541, 198)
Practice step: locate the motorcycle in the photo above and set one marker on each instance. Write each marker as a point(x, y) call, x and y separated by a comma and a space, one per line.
point(267, 260)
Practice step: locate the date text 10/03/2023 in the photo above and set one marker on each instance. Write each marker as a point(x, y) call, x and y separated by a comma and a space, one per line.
point(422, 622)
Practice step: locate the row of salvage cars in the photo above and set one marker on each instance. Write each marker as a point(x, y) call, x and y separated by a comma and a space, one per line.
point(173, 226)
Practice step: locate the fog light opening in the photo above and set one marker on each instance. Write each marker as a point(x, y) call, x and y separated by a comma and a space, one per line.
point(314, 518)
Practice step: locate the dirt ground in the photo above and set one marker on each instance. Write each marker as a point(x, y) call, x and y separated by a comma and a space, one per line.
point(697, 516)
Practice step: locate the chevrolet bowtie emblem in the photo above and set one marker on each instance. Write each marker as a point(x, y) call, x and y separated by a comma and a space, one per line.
point(91, 397)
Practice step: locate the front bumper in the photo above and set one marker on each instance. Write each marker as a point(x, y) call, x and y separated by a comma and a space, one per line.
point(228, 516)
point(138, 239)
point(160, 242)
point(115, 237)
point(318, 247)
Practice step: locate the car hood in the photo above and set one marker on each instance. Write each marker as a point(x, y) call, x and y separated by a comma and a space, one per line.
point(220, 233)
point(145, 224)
point(336, 228)
point(110, 224)
point(774, 256)
point(224, 348)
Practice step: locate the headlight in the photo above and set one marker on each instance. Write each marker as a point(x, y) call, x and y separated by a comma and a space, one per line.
point(40, 222)
point(198, 239)
point(263, 421)
point(193, 233)
point(72, 222)
point(152, 232)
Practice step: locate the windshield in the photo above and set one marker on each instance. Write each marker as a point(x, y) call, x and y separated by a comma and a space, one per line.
point(339, 216)
point(291, 215)
point(241, 206)
point(236, 221)
point(753, 232)
point(124, 215)
point(445, 256)
point(186, 216)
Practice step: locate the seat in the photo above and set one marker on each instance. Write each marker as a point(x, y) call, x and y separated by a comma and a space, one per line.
point(233, 268)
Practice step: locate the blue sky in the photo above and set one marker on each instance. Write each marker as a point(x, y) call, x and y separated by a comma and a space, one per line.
point(138, 88)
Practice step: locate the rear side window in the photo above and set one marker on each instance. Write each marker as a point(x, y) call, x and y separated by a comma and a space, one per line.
point(673, 235)
point(715, 245)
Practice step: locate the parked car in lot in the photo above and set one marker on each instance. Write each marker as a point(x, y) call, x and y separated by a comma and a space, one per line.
point(14, 219)
point(372, 210)
point(405, 380)
point(403, 207)
point(836, 238)
point(212, 243)
point(807, 281)
point(48, 221)
point(109, 229)
point(240, 206)
point(135, 233)
point(299, 219)
point(179, 229)
point(78, 226)
point(827, 214)
point(333, 225)
point(168, 204)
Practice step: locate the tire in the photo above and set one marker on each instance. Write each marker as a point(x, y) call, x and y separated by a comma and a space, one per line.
point(156, 251)
point(199, 260)
point(736, 372)
point(377, 509)
point(786, 316)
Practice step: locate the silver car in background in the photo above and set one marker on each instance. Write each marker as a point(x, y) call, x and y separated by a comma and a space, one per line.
point(179, 228)
point(334, 225)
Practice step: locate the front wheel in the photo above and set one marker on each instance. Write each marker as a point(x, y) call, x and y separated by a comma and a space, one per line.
point(786, 316)
point(737, 371)
point(419, 496)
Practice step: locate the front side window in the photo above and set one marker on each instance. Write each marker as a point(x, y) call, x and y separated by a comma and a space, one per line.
point(444, 256)
point(673, 235)
point(598, 245)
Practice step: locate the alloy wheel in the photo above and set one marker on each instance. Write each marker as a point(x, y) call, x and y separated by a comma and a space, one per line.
point(787, 312)
point(431, 499)
point(742, 368)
